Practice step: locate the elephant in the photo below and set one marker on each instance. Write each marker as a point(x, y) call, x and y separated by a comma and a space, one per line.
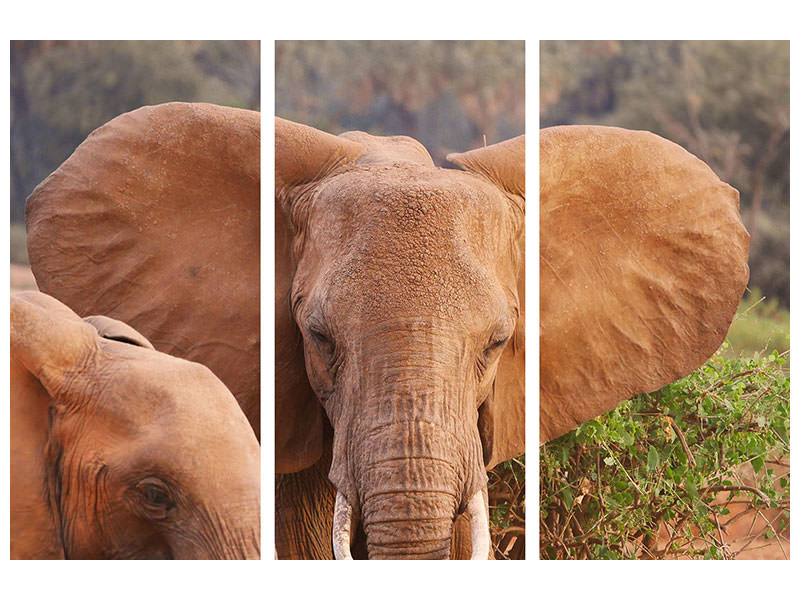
point(399, 344)
point(643, 261)
point(119, 451)
point(154, 220)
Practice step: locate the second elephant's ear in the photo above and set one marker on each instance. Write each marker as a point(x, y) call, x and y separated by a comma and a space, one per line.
point(47, 337)
point(48, 340)
point(643, 261)
point(154, 220)
point(112, 329)
point(502, 416)
point(303, 156)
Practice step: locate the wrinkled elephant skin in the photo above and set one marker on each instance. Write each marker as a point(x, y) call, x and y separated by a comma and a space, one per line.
point(399, 341)
point(121, 451)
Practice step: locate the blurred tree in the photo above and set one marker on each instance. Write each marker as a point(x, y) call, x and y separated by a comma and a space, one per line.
point(61, 91)
point(446, 94)
point(725, 101)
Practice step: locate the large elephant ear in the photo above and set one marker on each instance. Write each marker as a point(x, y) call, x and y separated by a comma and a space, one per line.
point(303, 156)
point(502, 417)
point(643, 260)
point(154, 220)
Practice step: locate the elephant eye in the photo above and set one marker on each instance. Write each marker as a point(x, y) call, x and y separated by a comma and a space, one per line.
point(155, 497)
point(494, 345)
point(320, 338)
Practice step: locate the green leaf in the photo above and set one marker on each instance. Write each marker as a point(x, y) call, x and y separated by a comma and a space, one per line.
point(566, 495)
point(757, 463)
point(691, 489)
point(652, 459)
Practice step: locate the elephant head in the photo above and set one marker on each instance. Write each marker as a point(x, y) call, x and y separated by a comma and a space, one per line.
point(120, 451)
point(400, 322)
point(154, 220)
point(643, 260)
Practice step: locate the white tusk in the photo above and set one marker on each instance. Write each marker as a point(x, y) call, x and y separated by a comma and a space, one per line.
point(478, 512)
point(342, 517)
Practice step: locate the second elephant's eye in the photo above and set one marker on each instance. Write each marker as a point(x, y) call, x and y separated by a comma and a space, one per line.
point(155, 497)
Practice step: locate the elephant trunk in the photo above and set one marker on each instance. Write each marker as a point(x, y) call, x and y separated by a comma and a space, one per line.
point(393, 537)
point(413, 479)
point(410, 525)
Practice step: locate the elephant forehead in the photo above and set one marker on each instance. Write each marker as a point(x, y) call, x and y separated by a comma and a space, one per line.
point(416, 283)
point(402, 239)
point(404, 201)
point(176, 414)
point(147, 386)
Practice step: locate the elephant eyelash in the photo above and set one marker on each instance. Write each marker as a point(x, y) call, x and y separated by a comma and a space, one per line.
point(323, 342)
point(494, 346)
point(488, 353)
point(327, 348)
point(155, 495)
point(319, 337)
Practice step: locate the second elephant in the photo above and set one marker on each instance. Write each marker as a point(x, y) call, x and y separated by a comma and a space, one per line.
point(120, 451)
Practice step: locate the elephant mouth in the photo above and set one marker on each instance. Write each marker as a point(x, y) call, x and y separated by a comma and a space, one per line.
point(477, 511)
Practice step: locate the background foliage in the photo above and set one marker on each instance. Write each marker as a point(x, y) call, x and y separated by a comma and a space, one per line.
point(725, 101)
point(446, 94)
point(62, 90)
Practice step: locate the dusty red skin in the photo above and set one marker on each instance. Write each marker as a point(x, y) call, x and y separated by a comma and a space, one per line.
point(393, 278)
point(154, 220)
point(97, 424)
point(643, 260)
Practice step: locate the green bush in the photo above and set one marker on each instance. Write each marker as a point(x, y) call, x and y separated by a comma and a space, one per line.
point(659, 476)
